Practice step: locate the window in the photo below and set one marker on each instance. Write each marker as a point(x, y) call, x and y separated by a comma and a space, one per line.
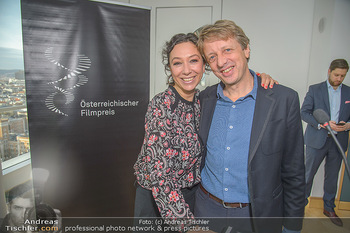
point(14, 137)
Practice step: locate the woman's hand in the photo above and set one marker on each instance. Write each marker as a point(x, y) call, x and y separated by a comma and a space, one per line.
point(266, 80)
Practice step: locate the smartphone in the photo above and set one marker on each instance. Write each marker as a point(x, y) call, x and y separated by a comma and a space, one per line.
point(340, 123)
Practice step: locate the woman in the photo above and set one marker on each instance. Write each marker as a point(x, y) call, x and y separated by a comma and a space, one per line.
point(167, 169)
point(168, 166)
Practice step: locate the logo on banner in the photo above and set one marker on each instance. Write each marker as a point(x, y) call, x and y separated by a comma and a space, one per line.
point(75, 78)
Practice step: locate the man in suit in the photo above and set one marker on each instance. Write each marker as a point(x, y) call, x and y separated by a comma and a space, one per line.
point(253, 140)
point(334, 98)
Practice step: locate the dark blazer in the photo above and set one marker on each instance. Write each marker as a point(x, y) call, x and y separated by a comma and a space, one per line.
point(276, 172)
point(317, 98)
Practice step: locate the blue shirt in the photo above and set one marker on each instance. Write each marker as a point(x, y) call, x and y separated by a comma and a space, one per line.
point(334, 101)
point(225, 174)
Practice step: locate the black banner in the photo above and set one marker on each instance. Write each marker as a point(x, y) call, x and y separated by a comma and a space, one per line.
point(87, 83)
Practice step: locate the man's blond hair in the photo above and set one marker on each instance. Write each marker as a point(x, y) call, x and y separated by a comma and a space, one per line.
point(222, 30)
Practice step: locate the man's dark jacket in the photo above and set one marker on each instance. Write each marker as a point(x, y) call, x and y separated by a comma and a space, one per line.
point(276, 172)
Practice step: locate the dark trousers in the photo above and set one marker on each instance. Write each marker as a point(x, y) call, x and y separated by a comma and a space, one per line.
point(333, 159)
point(146, 207)
point(222, 219)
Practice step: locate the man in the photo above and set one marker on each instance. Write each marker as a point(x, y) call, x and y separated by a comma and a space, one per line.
point(334, 98)
point(253, 139)
point(20, 199)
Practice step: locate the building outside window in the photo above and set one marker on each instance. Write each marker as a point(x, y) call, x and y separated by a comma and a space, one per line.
point(14, 136)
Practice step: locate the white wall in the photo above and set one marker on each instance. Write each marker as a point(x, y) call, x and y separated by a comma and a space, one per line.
point(280, 35)
point(169, 17)
point(340, 35)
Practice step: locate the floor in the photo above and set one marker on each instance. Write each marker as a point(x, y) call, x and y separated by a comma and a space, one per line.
point(316, 222)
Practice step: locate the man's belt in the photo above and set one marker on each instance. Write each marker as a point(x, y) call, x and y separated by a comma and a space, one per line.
point(225, 204)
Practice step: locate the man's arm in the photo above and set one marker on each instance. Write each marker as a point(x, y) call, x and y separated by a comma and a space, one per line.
point(307, 108)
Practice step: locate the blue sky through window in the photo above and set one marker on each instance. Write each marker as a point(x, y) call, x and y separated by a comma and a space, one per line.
point(11, 46)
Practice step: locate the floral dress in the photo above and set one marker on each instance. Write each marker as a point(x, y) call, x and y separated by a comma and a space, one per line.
point(170, 155)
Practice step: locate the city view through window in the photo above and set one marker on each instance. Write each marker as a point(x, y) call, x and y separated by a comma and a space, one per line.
point(14, 137)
